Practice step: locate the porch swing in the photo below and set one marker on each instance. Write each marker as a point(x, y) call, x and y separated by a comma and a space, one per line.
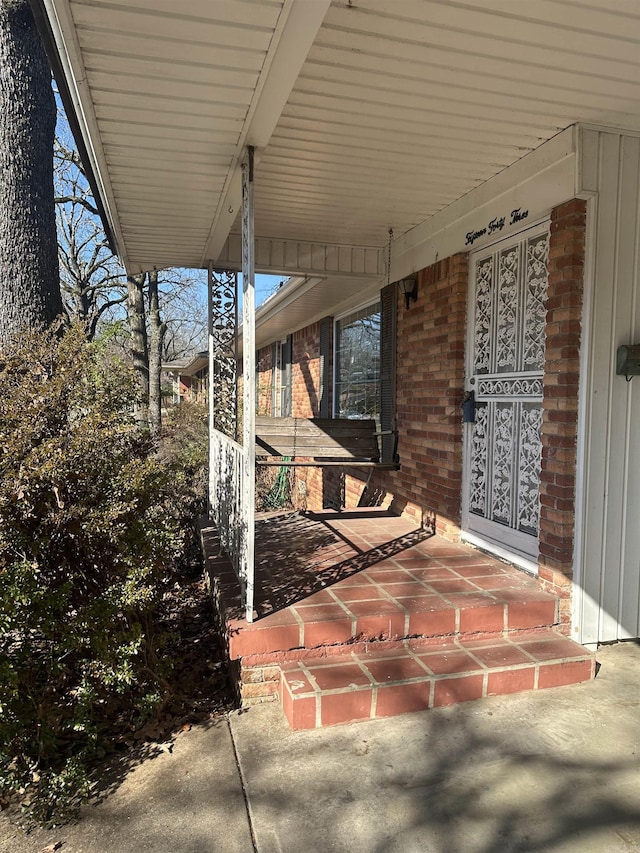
point(322, 443)
point(325, 442)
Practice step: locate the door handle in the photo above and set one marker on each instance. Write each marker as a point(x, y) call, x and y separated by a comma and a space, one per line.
point(469, 408)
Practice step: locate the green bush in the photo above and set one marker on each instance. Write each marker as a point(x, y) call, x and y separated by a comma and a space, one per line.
point(89, 532)
point(184, 446)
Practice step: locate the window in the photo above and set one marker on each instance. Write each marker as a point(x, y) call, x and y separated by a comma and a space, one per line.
point(282, 357)
point(357, 364)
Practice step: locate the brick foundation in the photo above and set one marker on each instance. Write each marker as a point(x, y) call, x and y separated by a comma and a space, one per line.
point(258, 684)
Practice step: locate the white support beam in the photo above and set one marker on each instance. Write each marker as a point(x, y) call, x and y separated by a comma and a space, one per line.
point(294, 35)
point(289, 257)
point(211, 394)
point(249, 382)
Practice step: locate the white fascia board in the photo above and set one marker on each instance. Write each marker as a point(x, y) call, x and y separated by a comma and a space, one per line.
point(278, 301)
point(291, 291)
point(295, 32)
point(534, 184)
point(64, 33)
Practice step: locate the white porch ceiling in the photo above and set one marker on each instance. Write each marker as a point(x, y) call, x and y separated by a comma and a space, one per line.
point(366, 114)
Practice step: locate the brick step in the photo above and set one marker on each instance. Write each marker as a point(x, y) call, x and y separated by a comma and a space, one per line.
point(358, 610)
point(384, 682)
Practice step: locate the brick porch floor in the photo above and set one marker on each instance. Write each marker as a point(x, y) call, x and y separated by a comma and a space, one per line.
point(360, 614)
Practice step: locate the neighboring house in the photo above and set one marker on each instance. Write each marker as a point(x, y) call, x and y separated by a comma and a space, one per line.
point(189, 378)
point(502, 147)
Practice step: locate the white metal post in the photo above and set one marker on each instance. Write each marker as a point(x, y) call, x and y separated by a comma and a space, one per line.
point(249, 377)
point(212, 387)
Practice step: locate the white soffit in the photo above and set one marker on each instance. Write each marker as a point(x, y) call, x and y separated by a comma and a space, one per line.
point(376, 114)
point(404, 107)
point(170, 94)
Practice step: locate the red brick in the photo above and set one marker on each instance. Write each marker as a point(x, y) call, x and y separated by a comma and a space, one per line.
point(300, 712)
point(345, 707)
point(431, 623)
point(531, 614)
point(251, 642)
point(510, 681)
point(558, 674)
point(448, 662)
point(394, 669)
point(375, 626)
point(449, 691)
point(481, 618)
point(338, 676)
point(357, 593)
point(402, 699)
point(503, 654)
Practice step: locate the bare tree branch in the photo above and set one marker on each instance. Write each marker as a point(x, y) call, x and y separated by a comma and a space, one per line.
point(63, 199)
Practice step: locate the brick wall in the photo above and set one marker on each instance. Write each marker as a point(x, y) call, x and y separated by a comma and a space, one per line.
point(430, 382)
point(305, 373)
point(264, 381)
point(560, 407)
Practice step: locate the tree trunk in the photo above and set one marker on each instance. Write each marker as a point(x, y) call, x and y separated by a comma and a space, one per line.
point(157, 330)
point(139, 345)
point(29, 279)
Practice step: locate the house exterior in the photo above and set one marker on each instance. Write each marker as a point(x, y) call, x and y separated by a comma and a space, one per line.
point(491, 155)
point(189, 378)
point(511, 305)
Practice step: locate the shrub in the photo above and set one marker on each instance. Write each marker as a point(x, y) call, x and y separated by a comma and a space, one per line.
point(184, 450)
point(87, 536)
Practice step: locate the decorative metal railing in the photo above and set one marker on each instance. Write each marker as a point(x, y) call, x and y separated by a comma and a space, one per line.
point(232, 515)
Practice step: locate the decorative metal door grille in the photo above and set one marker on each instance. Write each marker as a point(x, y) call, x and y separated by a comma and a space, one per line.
point(508, 343)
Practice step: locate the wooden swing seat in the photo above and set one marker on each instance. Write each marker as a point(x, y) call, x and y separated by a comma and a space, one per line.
point(320, 442)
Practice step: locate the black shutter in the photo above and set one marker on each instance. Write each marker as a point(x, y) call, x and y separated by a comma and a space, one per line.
point(326, 326)
point(388, 299)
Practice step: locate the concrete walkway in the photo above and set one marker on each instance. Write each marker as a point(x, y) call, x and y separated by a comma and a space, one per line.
point(554, 771)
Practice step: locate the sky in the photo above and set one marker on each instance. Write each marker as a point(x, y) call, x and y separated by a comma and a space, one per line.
point(265, 286)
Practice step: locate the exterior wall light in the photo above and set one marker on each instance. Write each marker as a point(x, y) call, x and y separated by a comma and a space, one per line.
point(409, 286)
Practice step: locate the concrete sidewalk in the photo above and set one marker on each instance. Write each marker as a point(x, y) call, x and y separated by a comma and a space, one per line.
point(554, 771)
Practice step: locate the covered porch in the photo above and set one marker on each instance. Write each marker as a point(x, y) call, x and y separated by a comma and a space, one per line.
point(363, 614)
point(353, 146)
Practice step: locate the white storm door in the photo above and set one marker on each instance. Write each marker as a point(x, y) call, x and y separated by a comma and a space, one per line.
point(506, 343)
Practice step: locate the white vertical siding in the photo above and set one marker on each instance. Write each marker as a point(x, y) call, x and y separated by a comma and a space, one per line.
point(610, 574)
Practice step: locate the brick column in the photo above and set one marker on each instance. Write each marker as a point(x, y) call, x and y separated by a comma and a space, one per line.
point(560, 405)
